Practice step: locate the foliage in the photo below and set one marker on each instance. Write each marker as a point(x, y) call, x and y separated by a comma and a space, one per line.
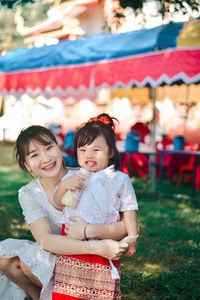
point(179, 5)
point(166, 265)
point(164, 7)
point(12, 21)
point(34, 14)
point(9, 37)
point(14, 3)
point(138, 4)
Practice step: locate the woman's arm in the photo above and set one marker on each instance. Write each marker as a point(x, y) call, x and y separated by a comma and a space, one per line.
point(115, 231)
point(58, 244)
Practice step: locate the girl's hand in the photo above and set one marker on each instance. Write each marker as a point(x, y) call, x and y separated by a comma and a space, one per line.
point(73, 182)
point(76, 230)
point(131, 249)
point(110, 249)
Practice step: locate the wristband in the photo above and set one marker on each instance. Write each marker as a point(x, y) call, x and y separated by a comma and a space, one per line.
point(129, 238)
point(84, 231)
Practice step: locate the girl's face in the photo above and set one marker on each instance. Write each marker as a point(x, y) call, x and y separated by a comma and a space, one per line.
point(44, 160)
point(97, 154)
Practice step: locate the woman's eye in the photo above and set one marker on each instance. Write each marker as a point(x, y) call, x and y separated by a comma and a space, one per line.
point(34, 155)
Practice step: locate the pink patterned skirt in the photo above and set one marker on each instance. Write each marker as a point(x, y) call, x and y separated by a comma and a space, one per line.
point(85, 277)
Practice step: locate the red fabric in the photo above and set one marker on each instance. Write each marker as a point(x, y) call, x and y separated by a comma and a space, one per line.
point(77, 279)
point(94, 259)
point(63, 229)
point(56, 296)
point(90, 257)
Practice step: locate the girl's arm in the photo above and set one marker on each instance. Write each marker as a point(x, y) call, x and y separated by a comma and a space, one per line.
point(58, 244)
point(115, 231)
point(131, 223)
point(71, 183)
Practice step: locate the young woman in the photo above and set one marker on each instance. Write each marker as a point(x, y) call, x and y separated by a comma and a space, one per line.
point(107, 194)
point(27, 265)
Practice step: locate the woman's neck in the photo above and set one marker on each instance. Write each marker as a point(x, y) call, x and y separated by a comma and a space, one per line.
point(49, 183)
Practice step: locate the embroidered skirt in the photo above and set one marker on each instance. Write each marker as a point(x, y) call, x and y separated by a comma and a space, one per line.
point(85, 277)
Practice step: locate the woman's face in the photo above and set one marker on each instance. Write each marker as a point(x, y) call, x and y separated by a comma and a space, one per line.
point(44, 160)
point(96, 154)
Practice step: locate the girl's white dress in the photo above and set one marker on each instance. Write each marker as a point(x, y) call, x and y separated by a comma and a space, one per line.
point(35, 205)
point(107, 193)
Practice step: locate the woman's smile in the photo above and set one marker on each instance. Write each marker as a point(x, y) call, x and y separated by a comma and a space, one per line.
point(44, 160)
point(49, 167)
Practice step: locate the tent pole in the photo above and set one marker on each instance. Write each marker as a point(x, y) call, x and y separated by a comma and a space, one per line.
point(152, 158)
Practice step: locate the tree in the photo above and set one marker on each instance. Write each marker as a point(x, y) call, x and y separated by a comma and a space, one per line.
point(13, 3)
point(13, 21)
point(166, 6)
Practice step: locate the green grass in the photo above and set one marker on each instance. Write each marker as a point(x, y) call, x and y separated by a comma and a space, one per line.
point(11, 179)
point(167, 263)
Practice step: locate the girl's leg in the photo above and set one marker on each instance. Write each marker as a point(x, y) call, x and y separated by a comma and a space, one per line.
point(13, 270)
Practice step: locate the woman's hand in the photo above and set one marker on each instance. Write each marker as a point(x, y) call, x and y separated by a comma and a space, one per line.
point(110, 249)
point(76, 230)
point(73, 182)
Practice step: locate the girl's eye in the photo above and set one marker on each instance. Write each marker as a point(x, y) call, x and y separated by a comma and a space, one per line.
point(82, 150)
point(49, 147)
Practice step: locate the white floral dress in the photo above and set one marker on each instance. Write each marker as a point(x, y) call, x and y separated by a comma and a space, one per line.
point(35, 205)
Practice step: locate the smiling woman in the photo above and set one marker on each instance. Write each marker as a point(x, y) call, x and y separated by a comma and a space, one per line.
point(29, 264)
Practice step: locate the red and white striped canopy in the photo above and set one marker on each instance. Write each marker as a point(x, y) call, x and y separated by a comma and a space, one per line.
point(138, 58)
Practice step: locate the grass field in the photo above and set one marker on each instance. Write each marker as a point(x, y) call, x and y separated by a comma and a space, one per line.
point(167, 262)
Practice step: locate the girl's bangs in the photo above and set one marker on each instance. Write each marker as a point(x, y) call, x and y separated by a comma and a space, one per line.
point(87, 136)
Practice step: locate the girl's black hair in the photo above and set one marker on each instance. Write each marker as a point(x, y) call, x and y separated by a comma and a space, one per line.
point(33, 133)
point(96, 127)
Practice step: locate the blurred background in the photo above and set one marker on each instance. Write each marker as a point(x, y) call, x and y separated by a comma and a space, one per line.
point(62, 62)
point(30, 24)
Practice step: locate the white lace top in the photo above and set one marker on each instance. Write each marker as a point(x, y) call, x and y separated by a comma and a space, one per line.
point(106, 194)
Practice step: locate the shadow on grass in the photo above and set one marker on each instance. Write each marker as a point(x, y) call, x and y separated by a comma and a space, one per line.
point(167, 263)
point(179, 284)
point(11, 179)
point(12, 223)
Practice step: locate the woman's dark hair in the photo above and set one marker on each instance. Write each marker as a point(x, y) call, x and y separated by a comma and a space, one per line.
point(33, 133)
point(102, 125)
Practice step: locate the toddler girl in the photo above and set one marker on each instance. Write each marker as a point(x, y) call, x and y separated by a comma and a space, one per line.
point(107, 194)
